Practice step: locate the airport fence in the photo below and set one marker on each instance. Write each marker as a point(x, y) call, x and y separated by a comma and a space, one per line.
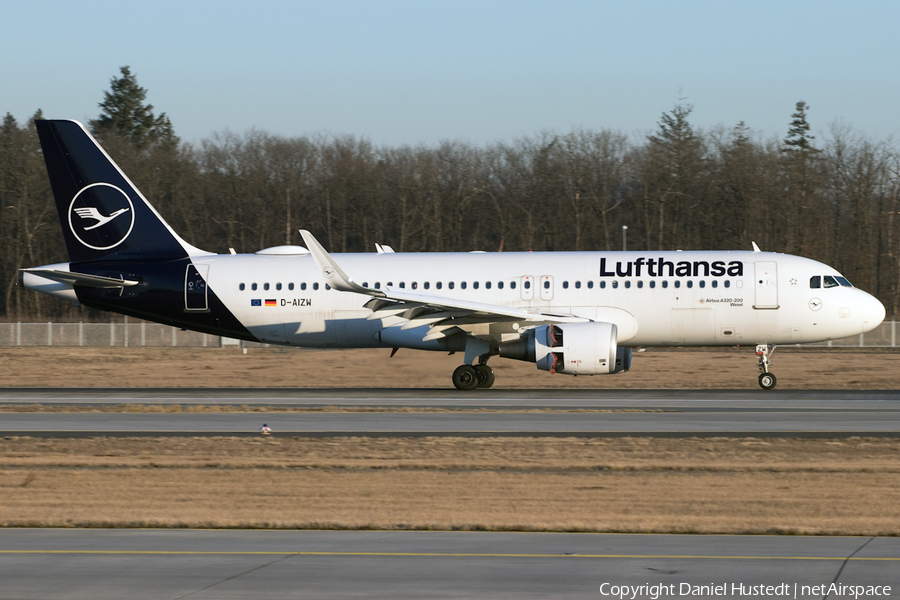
point(117, 334)
point(142, 333)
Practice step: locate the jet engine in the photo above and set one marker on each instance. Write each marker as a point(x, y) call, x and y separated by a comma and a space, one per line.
point(571, 348)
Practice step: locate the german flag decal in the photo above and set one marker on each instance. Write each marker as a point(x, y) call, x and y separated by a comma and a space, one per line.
point(271, 303)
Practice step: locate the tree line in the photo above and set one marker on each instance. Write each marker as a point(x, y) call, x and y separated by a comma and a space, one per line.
point(680, 187)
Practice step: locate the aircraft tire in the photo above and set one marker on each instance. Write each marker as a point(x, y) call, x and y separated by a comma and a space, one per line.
point(465, 378)
point(767, 381)
point(485, 376)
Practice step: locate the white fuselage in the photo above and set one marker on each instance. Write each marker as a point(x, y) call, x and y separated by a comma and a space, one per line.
point(702, 299)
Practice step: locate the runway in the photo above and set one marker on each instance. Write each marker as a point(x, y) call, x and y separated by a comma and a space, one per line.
point(199, 564)
point(440, 412)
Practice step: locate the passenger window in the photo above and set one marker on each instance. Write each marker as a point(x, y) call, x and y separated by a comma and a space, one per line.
point(265, 286)
point(327, 287)
point(377, 285)
point(565, 284)
point(690, 283)
point(590, 285)
point(499, 285)
point(439, 285)
point(241, 287)
point(640, 284)
point(815, 282)
point(602, 285)
point(475, 285)
point(512, 285)
point(462, 285)
point(830, 281)
point(303, 286)
point(291, 286)
point(547, 284)
point(415, 285)
point(278, 286)
point(450, 285)
point(390, 284)
point(403, 284)
point(487, 285)
point(427, 285)
point(702, 283)
point(253, 286)
point(726, 283)
point(315, 286)
point(577, 285)
point(627, 284)
point(665, 283)
point(677, 283)
point(652, 284)
point(615, 284)
point(715, 283)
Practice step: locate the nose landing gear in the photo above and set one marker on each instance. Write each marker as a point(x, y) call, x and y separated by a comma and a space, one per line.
point(767, 380)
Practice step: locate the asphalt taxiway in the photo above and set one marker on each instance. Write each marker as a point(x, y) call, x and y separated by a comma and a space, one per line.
point(407, 412)
point(198, 564)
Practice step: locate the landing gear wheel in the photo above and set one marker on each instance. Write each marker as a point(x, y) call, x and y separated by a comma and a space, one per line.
point(465, 378)
point(485, 376)
point(767, 381)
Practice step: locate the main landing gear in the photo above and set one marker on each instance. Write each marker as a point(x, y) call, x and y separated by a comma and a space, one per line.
point(479, 376)
point(766, 380)
point(469, 375)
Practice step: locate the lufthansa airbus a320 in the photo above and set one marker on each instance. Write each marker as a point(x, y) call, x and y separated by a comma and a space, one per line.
point(570, 313)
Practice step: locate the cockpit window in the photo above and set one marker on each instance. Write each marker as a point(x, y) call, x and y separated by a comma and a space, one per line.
point(830, 281)
point(843, 281)
point(815, 281)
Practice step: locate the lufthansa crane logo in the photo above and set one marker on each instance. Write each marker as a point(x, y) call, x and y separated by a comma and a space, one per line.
point(101, 216)
point(328, 272)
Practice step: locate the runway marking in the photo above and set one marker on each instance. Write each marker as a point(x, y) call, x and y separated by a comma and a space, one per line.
point(437, 554)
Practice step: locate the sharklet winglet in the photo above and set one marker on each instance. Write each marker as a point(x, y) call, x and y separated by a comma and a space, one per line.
point(335, 276)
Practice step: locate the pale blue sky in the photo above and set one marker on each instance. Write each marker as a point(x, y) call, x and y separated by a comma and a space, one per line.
point(408, 72)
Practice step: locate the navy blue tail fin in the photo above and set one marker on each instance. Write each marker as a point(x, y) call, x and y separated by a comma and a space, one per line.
point(103, 215)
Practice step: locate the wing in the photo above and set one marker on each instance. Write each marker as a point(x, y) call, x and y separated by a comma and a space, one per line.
point(445, 316)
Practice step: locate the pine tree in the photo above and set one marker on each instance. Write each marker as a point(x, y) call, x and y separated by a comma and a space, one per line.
point(125, 114)
point(798, 137)
point(802, 179)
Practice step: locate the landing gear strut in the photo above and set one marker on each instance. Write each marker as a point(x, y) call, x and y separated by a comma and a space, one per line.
point(766, 380)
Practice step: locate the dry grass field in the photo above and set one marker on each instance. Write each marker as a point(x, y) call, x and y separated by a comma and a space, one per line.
point(791, 486)
point(788, 486)
point(731, 368)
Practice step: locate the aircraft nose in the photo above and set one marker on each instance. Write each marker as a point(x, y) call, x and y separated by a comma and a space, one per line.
point(873, 313)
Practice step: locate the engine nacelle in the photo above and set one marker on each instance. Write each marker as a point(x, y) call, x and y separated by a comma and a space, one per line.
point(576, 348)
point(571, 348)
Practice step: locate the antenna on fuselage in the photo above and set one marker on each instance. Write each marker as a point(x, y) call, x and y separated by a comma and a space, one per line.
point(755, 247)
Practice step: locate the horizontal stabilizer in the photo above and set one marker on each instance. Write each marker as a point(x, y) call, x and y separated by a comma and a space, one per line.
point(81, 279)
